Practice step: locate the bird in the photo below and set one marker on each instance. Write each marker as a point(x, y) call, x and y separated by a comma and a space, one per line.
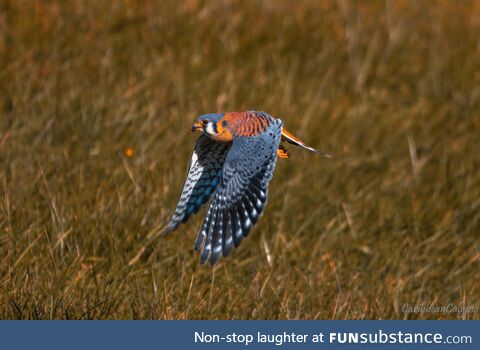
point(230, 168)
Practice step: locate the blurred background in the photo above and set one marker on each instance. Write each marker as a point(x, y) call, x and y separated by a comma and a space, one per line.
point(96, 102)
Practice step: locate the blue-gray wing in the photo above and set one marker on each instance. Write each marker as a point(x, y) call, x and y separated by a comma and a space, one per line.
point(202, 179)
point(241, 194)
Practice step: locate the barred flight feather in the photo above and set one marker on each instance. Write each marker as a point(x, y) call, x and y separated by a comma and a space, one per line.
point(202, 179)
point(241, 195)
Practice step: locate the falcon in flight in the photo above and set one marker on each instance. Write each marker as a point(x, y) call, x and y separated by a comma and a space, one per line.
point(231, 166)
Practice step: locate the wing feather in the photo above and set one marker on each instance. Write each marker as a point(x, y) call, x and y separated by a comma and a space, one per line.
point(202, 179)
point(241, 194)
point(229, 232)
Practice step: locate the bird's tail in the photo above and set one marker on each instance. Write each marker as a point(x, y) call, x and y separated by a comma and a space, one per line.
point(287, 136)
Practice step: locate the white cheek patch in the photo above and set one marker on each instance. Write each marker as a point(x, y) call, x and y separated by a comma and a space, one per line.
point(209, 129)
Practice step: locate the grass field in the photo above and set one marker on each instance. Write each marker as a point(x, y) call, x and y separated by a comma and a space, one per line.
point(96, 102)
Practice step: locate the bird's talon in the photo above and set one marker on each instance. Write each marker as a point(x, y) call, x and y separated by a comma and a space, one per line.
point(283, 152)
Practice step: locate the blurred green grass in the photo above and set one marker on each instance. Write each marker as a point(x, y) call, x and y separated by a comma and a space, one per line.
point(392, 89)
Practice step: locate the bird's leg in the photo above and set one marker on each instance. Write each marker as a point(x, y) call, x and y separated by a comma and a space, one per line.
point(282, 152)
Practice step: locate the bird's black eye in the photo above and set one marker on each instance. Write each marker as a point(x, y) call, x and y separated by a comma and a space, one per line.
point(204, 122)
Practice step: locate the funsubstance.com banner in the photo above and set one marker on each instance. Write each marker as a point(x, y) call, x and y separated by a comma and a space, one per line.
point(240, 335)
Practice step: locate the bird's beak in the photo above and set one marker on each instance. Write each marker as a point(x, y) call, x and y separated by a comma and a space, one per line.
point(197, 126)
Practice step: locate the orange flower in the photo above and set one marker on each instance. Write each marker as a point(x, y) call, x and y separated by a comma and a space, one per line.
point(129, 152)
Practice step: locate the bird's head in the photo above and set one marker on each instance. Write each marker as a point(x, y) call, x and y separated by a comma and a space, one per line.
point(213, 125)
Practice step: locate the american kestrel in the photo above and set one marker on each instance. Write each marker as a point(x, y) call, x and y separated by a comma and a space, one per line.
point(232, 163)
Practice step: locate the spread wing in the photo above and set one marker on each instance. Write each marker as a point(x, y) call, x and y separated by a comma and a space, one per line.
point(241, 194)
point(202, 179)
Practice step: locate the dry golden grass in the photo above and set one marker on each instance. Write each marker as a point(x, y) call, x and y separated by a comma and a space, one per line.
point(96, 100)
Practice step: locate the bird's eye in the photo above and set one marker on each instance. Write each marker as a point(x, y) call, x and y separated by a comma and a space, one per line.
point(204, 122)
